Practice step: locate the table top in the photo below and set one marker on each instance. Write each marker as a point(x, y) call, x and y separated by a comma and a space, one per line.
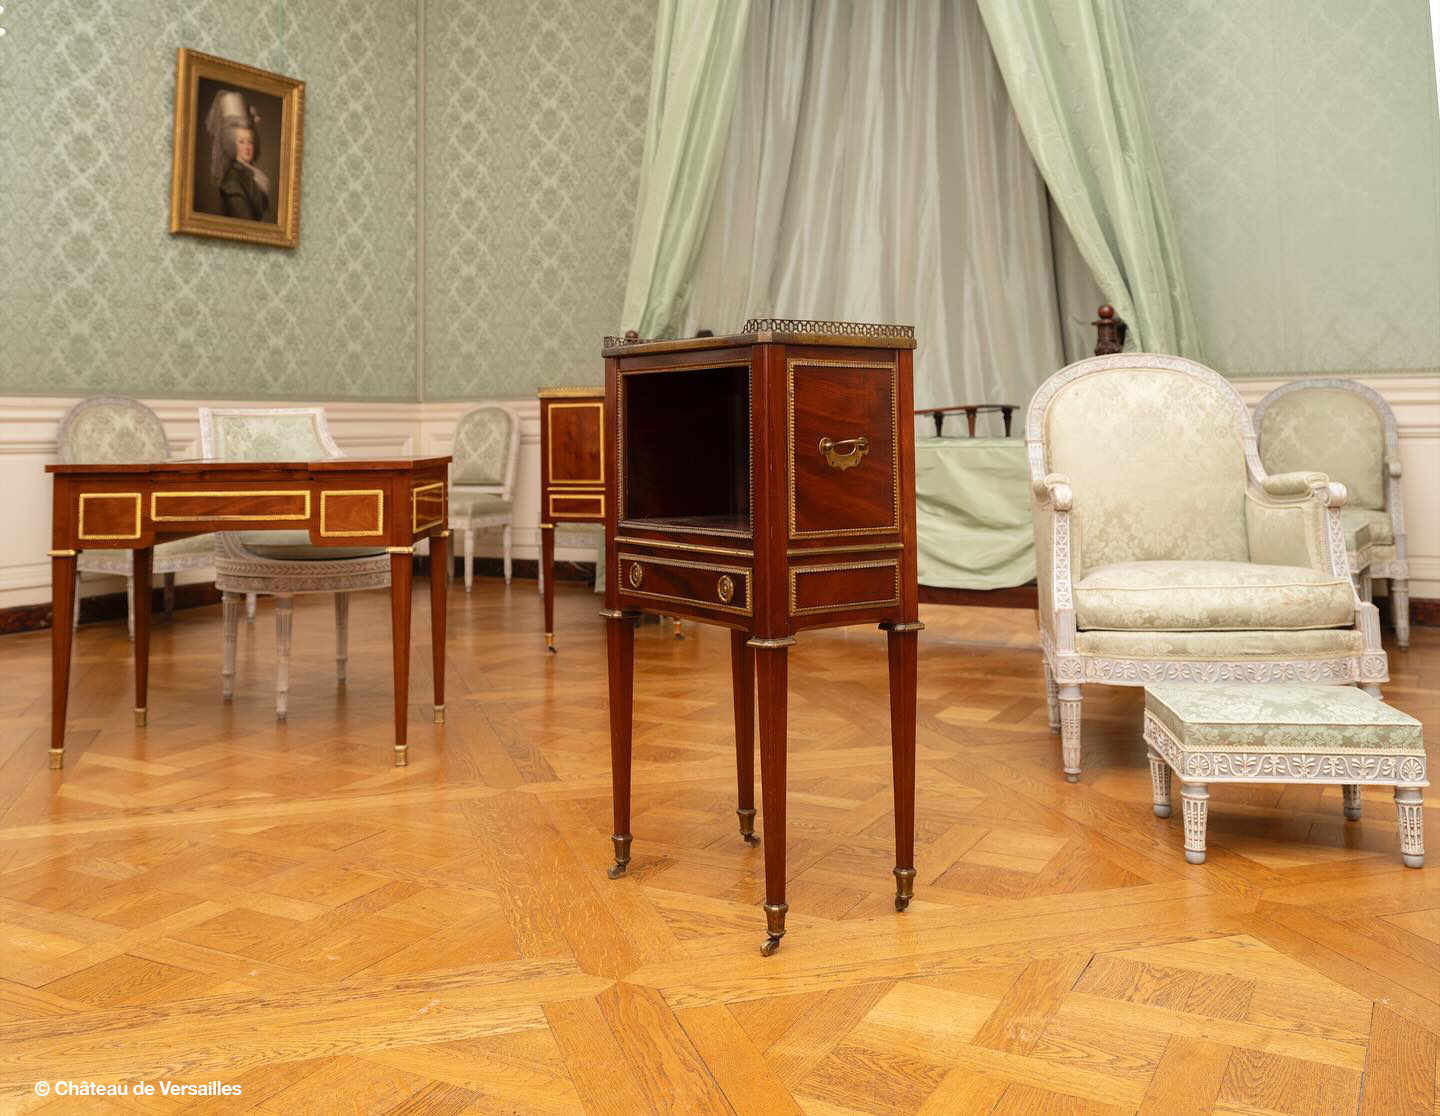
point(185, 465)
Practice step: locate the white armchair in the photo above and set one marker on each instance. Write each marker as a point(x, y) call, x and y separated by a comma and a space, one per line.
point(1348, 431)
point(482, 480)
point(1166, 553)
point(282, 563)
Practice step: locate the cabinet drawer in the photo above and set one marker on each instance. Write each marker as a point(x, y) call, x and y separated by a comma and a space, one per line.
point(707, 585)
point(844, 586)
point(577, 505)
point(843, 468)
point(574, 443)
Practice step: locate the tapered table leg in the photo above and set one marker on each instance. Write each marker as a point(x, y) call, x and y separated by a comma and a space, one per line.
point(620, 650)
point(439, 585)
point(742, 671)
point(62, 634)
point(902, 640)
point(143, 570)
point(771, 663)
point(400, 578)
point(547, 578)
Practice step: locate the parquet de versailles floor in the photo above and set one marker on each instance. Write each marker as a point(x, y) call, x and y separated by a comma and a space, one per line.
point(218, 898)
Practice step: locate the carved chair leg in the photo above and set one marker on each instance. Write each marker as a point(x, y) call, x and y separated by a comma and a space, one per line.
point(1400, 611)
point(1069, 696)
point(1195, 802)
point(1366, 586)
point(506, 537)
point(230, 608)
point(1373, 690)
point(251, 599)
point(467, 542)
point(169, 596)
point(130, 605)
point(1352, 800)
point(1410, 817)
point(284, 624)
point(1052, 698)
point(342, 635)
point(1160, 783)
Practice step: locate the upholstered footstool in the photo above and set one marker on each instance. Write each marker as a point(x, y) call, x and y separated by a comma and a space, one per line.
point(1282, 734)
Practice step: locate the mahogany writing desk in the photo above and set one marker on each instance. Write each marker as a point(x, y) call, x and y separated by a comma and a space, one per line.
point(764, 482)
point(572, 474)
point(346, 501)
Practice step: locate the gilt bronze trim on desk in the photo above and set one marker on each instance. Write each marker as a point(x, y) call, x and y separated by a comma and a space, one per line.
point(572, 474)
point(344, 501)
point(789, 440)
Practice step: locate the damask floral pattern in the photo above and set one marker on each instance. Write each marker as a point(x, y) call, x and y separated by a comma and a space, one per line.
point(103, 432)
point(1377, 524)
point(482, 446)
point(260, 437)
point(1312, 643)
point(1327, 429)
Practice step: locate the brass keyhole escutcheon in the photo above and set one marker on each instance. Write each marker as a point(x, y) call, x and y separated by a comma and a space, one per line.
point(725, 589)
point(845, 454)
point(637, 575)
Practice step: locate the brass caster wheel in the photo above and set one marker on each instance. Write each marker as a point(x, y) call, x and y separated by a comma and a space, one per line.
point(747, 827)
point(772, 943)
point(774, 927)
point(751, 840)
point(901, 902)
point(621, 841)
point(904, 887)
point(616, 871)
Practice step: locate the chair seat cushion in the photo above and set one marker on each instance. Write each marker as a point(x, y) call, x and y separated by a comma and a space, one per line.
point(185, 548)
point(295, 546)
point(1211, 596)
point(1304, 646)
point(474, 508)
point(1281, 718)
point(1377, 521)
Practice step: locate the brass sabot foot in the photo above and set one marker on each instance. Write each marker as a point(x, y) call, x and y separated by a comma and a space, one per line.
point(57, 758)
point(401, 758)
point(140, 718)
point(775, 927)
point(747, 827)
point(439, 714)
point(550, 642)
point(621, 841)
point(904, 887)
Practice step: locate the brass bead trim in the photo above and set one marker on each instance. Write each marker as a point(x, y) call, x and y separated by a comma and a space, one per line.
point(738, 572)
point(379, 528)
point(892, 564)
point(415, 525)
point(80, 532)
point(550, 409)
point(63, 553)
point(729, 552)
point(239, 517)
point(858, 548)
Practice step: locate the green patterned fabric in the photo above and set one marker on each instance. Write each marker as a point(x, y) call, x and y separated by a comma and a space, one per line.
point(1209, 596)
point(115, 433)
point(1157, 465)
point(1375, 521)
point(295, 546)
point(1315, 643)
point(266, 438)
point(972, 513)
point(1281, 718)
point(1285, 533)
point(474, 507)
point(184, 548)
point(1331, 430)
point(482, 446)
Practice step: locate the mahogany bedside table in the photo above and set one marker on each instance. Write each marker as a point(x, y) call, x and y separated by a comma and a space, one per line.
point(764, 482)
point(572, 474)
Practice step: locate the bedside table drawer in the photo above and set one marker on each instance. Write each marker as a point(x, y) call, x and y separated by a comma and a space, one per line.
point(843, 469)
point(723, 588)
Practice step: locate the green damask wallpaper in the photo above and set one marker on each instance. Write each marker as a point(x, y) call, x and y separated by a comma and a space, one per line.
point(1301, 150)
point(97, 295)
point(534, 131)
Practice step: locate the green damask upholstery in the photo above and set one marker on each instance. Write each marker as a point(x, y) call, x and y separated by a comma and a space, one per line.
point(120, 431)
point(1281, 718)
point(295, 546)
point(1156, 463)
point(1210, 596)
point(482, 446)
point(1298, 646)
point(261, 437)
point(477, 507)
point(1379, 524)
point(1332, 430)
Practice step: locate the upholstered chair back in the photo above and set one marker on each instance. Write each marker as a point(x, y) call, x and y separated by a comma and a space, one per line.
point(1155, 458)
point(111, 429)
point(1336, 431)
point(266, 434)
point(485, 443)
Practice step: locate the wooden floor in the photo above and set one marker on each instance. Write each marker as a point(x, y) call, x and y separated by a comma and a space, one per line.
point(220, 898)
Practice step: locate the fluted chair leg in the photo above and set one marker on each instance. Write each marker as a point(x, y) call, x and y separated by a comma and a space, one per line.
point(1069, 696)
point(342, 635)
point(505, 539)
point(1052, 699)
point(284, 624)
point(1400, 611)
point(250, 599)
point(230, 609)
point(467, 542)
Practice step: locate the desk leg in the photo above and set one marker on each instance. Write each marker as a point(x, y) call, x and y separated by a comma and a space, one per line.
point(144, 565)
point(400, 574)
point(439, 583)
point(62, 634)
point(547, 582)
point(620, 651)
point(771, 672)
point(902, 647)
point(742, 671)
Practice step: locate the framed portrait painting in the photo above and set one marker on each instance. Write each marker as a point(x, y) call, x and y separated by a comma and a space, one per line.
point(238, 140)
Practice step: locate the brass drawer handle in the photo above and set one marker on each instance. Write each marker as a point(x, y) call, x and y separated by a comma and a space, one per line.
point(725, 589)
point(844, 454)
point(637, 575)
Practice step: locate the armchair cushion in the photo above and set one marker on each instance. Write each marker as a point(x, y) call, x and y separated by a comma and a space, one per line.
point(1314, 643)
point(295, 546)
point(1211, 596)
point(479, 507)
point(1378, 522)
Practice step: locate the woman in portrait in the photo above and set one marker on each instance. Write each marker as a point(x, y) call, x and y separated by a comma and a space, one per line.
point(234, 146)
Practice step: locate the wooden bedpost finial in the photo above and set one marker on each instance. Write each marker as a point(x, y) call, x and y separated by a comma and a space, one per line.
point(631, 335)
point(1109, 332)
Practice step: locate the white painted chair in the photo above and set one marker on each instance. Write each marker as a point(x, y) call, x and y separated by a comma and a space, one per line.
point(1347, 431)
point(113, 429)
point(282, 563)
point(1166, 553)
point(482, 480)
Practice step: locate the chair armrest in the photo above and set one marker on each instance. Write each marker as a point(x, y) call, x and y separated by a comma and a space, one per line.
point(1296, 528)
point(1292, 484)
point(1054, 489)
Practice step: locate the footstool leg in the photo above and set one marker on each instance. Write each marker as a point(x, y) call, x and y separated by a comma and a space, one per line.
point(1411, 819)
point(1352, 800)
point(1160, 781)
point(1195, 802)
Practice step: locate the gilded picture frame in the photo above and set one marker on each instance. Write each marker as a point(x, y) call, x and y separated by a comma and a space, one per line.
point(239, 136)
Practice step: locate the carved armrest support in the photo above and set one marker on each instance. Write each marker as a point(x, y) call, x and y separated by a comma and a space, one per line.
point(1392, 465)
point(1054, 489)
